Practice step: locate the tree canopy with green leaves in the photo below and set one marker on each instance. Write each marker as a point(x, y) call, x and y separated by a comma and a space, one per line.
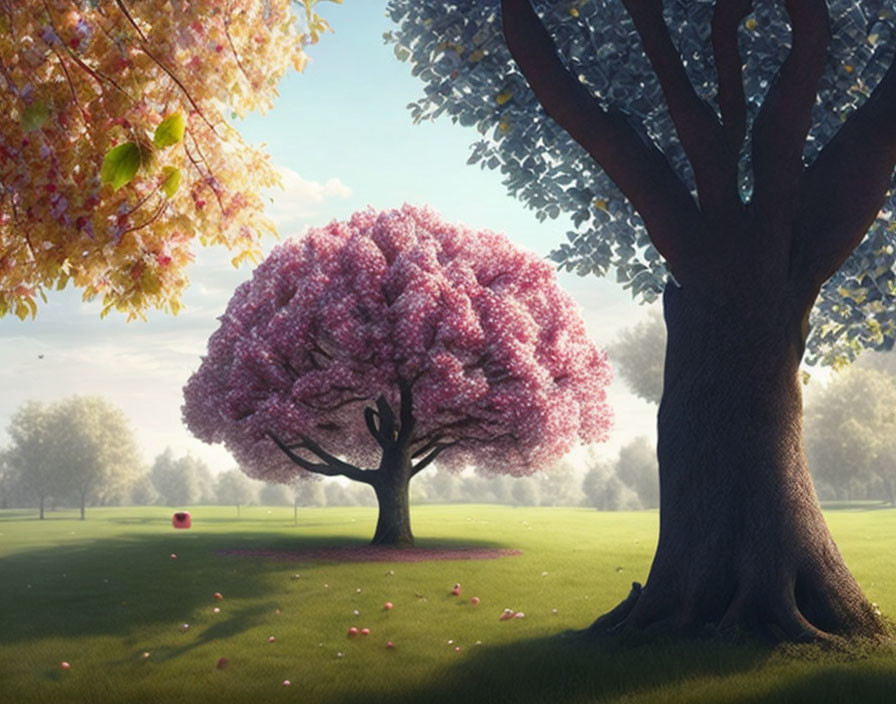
point(117, 148)
point(459, 53)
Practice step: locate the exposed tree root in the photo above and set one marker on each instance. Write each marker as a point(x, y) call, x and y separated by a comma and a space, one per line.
point(773, 616)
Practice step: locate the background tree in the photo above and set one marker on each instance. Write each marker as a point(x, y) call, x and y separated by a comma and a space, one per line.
point(559, 485)
point(442, 487)
point(389, 341)
point(7, 486)
point(310, 494)
point(206, 491)
point(884, 464)
point(29, 459)
point(93, 448)
point(638, 354)
point(606, 491)
point(234, 488)
point(337, 494)
point(275, 495)
point(525, 492)
point(142, 492)
point(637, 468)
point(175, 480)
point(744, 152)
point(116, 152)
point(849, 427)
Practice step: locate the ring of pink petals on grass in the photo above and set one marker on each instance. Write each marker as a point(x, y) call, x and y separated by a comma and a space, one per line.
point(374, 553)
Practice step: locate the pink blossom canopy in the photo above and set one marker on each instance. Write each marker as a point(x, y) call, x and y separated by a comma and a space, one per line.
point(492, 352)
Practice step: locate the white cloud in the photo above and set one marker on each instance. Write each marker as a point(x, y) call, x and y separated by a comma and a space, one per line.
point(300, 200)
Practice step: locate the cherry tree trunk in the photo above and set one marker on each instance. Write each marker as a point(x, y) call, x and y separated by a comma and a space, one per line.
point(742, 544)
point(393, 525)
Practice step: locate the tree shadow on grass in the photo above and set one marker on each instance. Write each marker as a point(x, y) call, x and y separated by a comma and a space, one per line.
point(567, 668)
point(115, 586)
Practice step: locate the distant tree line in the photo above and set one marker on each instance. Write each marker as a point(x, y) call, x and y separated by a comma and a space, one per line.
point(76, 452)
point(81, 452)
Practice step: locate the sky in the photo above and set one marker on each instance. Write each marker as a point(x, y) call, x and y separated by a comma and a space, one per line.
point(343, 139)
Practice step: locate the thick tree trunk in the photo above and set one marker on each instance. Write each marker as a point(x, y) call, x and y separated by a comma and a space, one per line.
point(41, 508)
point(393, 525)
point(743, 544)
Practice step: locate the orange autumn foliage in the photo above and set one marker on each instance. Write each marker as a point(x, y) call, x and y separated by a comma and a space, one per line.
point(116, 151)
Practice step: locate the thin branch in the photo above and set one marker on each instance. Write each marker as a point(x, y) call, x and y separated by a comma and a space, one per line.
point(430, 444)
point(406, 413)
point(99, 77)
point(331, 466)
point(847, 184)
point(211, 176)
point(699, 130)
point(387, 419)
point(634, 164)
point(233, 48)
point(783, 122)
point(430, 458)
point(370, 417)
point(155, 216)
point(335, 406)
point(726, 19)
point(144, 45)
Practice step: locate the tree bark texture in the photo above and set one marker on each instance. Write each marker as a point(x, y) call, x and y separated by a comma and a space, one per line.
point(393, 525)
point(742, 542)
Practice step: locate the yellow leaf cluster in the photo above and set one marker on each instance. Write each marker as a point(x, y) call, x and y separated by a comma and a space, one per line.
point(78, 79)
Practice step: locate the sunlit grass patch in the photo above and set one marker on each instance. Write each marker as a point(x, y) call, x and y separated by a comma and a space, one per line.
point(103, 592)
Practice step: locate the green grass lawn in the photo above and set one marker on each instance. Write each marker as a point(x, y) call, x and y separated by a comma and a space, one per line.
point(102, 592)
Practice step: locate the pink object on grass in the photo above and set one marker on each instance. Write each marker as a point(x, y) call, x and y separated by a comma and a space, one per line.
point(181, 519)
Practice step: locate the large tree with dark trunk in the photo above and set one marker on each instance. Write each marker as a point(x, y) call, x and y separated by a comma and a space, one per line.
point(746, 151)
point(369, 348)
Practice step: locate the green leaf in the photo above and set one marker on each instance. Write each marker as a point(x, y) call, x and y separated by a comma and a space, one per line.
point(170, 131)
point(120, 164)
point(172, 180)
point(35, 116)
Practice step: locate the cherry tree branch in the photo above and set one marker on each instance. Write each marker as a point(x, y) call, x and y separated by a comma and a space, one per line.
point(726, 19)
point(331, 466)
point(406, 412)
point(428, 445)
point(387, 419)
point(370, 417)
point(633, 162)
point(430, 458)
point(783, 122)
point(699, 130)
point(847, 184)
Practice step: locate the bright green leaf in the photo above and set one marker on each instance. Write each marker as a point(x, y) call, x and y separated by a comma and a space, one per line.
point(120, 164)
point(172, 179)
point(35, 116)
point(170, 131)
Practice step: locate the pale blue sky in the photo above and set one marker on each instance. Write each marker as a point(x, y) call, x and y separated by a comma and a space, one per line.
point(345, 141)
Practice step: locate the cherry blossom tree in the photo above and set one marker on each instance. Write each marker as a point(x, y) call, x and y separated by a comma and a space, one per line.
point(372, 347)
point(116, 150)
